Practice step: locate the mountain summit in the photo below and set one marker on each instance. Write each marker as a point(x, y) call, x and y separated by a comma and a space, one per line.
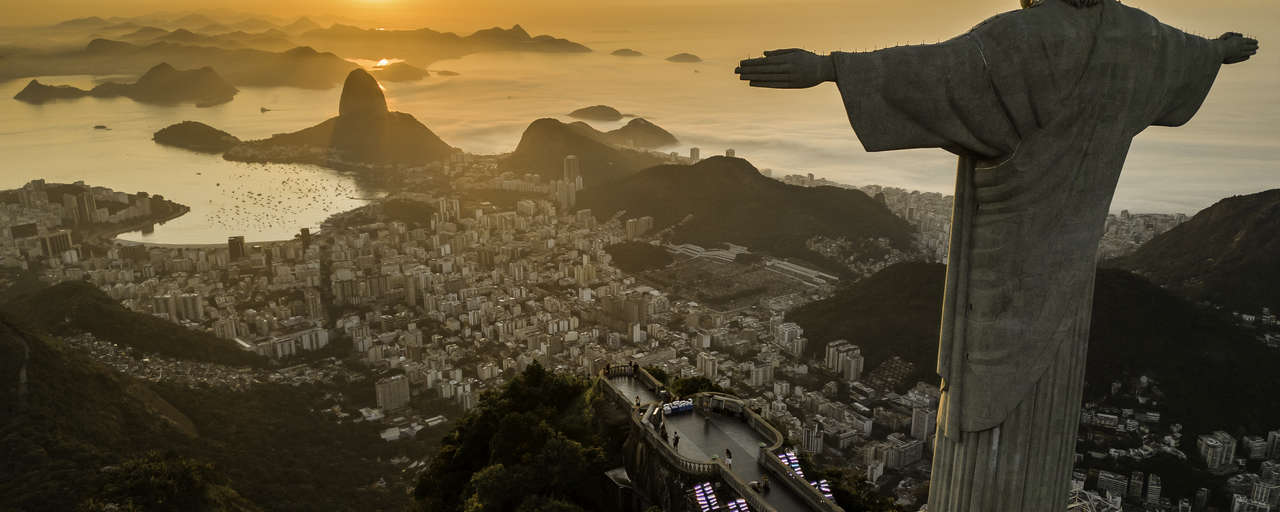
point(361, 95)
point(1226, 254)
point(724, 199)
point(365, 132)
point(546, 142)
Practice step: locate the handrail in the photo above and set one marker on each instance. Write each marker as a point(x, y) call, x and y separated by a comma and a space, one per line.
point(710, 399)
point(754, 499)
point(755, 421)
point(651, 435)
point(789, 478)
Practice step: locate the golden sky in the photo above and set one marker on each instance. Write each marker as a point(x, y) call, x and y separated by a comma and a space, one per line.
point(733, 26)
point(459, 14)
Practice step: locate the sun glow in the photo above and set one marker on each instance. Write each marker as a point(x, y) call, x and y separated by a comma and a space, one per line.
point(382, 63)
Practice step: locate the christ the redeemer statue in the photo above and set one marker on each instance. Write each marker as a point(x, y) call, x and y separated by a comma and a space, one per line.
point(1041, 105)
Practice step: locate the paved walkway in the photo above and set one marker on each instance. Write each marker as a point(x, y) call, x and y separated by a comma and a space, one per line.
point(702, 438)
point(633, 388)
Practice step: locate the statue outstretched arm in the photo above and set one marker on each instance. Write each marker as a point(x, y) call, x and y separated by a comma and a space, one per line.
point(790, 68)
point(1185, 67)
point(929, 96)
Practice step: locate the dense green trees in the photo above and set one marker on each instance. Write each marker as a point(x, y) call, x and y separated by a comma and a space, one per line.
point(276, 448)
point(80, 437)
point(165, 481)
point(849, 488)
point(532, 446)
point(682, 387)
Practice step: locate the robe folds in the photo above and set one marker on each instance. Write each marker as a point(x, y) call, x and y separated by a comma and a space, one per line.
point(1041, 105)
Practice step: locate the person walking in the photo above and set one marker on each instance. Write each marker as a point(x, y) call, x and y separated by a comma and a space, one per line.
point(728, 458)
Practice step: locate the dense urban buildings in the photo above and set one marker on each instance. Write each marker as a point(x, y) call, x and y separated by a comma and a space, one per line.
point(450, 303)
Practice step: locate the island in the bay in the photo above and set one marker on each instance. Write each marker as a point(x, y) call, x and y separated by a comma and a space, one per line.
point(684, 57)
point(160, 84)
point(196, 136)
point(597, 113)
point(398, 72)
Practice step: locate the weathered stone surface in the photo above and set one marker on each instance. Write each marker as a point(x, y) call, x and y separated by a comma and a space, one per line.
point(1041, 104)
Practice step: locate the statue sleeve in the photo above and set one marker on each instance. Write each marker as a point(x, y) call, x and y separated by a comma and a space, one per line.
point(1187, 67)
point(927, 96)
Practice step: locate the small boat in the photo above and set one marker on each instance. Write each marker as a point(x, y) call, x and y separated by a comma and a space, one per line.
point(100, 127)
point(264, 109)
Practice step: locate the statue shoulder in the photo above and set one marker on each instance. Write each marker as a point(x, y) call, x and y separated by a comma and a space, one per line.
point(1000, 21)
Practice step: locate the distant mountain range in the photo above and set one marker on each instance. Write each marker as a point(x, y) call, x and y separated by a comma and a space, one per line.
point(301, 25)
point(299, 67)
point(1228, 254)
point(1212, 373)
point(194, 21)
point(160, 84)
point(424, 46)
point(728, 200)
point(251, 52)
point(219, 36)
point(546, 142)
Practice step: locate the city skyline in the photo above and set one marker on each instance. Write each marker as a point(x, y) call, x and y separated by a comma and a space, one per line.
point(252, 258)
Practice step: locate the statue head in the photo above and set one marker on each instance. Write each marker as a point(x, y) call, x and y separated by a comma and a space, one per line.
point(1079, 4)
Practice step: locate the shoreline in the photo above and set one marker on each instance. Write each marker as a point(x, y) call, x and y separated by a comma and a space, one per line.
point(161, 245)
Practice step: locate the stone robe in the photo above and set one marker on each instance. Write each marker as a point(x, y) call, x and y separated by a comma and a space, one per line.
point(1041, 105)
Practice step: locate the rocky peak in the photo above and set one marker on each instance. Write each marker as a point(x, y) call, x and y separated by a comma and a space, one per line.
point(361, 95)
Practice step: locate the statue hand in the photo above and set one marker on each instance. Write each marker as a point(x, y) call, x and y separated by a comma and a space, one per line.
point(787, 69)
point(1236, 47)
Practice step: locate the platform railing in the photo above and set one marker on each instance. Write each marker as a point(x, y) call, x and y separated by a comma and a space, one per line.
point(768, 454)
point(725, 403)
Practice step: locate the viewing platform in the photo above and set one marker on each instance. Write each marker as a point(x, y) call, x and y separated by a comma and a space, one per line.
point(717, 422)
